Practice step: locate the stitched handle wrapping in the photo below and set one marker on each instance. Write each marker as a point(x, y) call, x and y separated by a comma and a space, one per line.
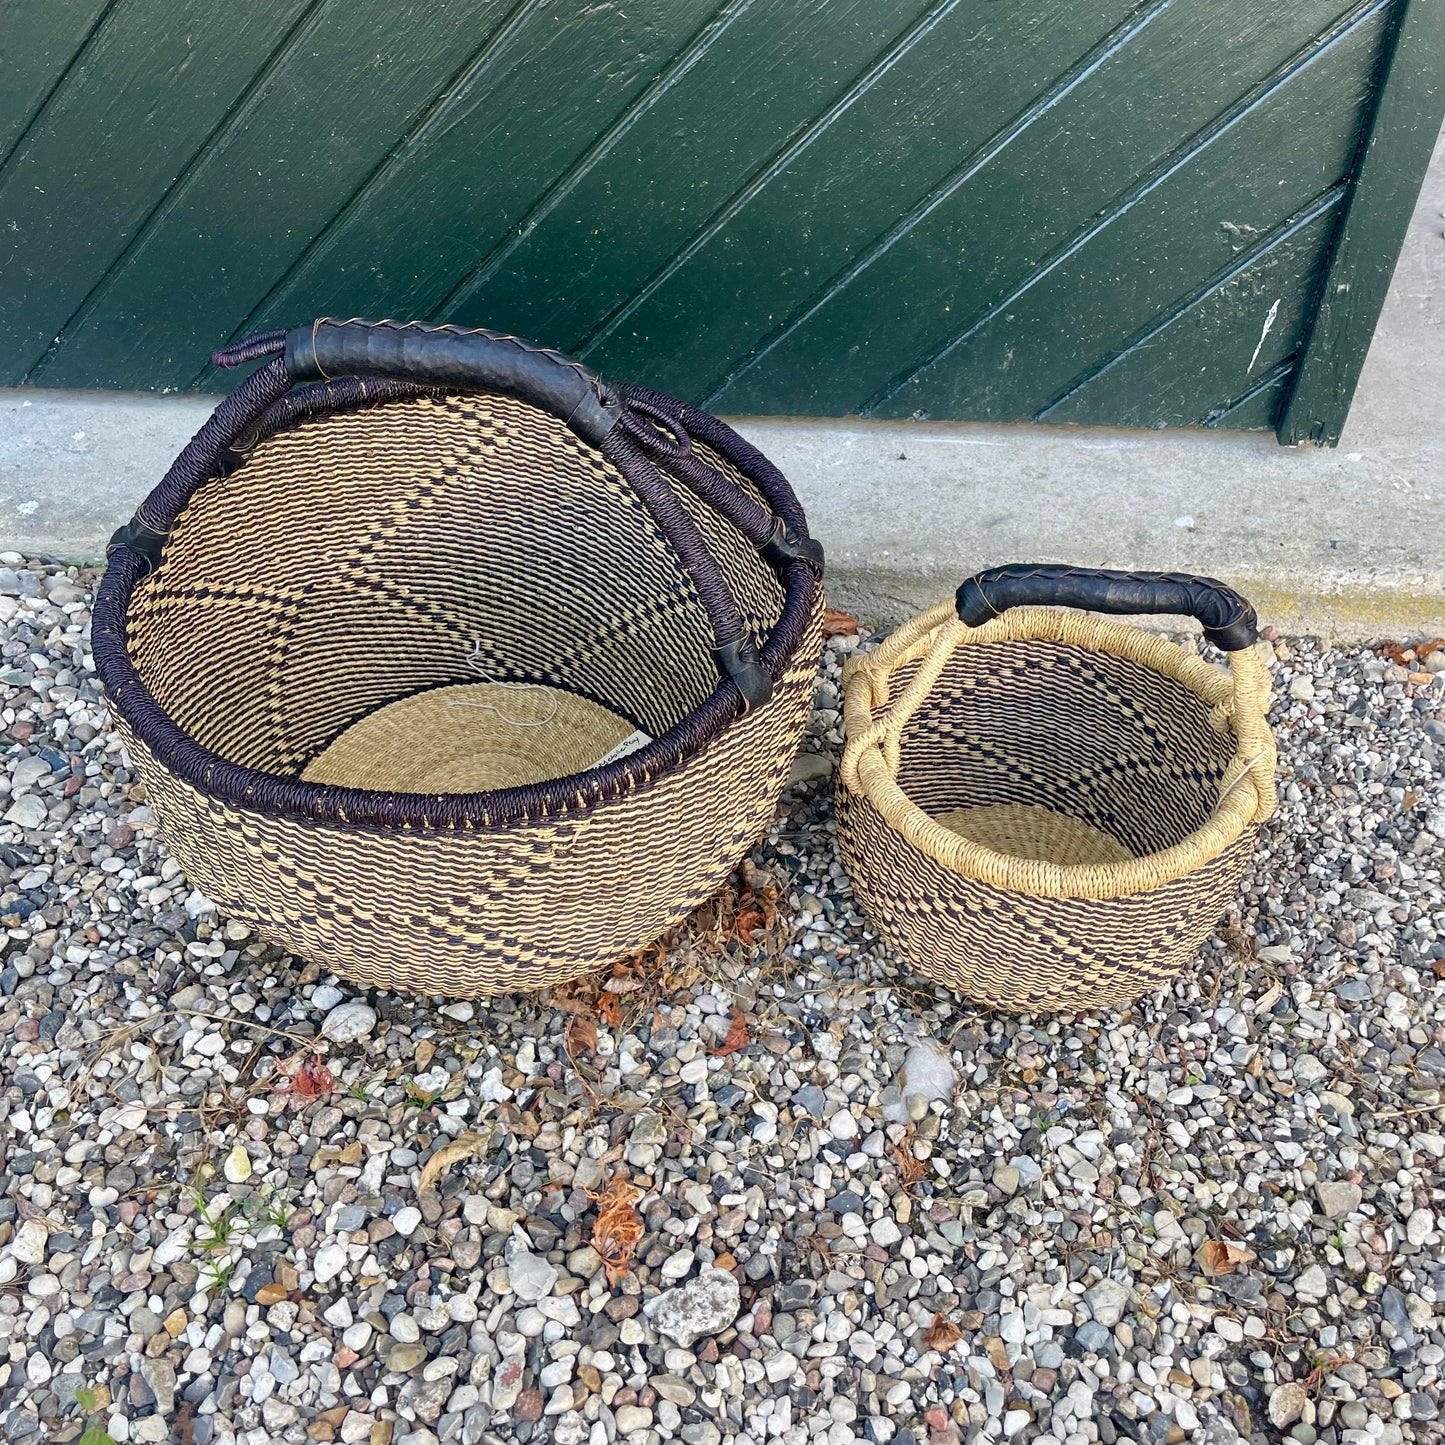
point(1229, 621)
point(446, 356)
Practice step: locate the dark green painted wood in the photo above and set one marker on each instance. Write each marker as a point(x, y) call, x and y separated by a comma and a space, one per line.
point(143, 100)
point(39, 41)
point(1077, 210)
point(844, 183)
point(1143, 260)
point(347, 91)
point(1401, 138)
point(1137, 106)
point(561, 77)
point(1218, 343)
point(1258, 408)
point(644, 194)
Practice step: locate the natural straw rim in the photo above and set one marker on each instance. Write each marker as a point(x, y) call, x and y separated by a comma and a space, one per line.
point(1238, 702)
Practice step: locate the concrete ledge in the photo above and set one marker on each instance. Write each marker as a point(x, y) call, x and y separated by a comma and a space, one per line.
point(1345, 543)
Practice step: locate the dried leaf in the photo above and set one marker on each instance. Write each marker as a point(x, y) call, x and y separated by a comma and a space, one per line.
point(1269, 998)
point(618, 1226)
point(737, 1036)
point(310, 1081)
point(581, 1035)
point(748, 923)
point(609, 1008)
point(577, 997)
point(1218, 1256)
point(839, 624)
point(464, 1146)
point(942, 1334)
point(910, 1170)
point(1399, 654)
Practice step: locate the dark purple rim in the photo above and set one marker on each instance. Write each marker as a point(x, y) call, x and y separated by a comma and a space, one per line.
point(264, 405)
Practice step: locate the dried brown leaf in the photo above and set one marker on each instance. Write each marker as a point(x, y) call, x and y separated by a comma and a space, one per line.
point(464, 1146)
point(1217, 1257)
point(910, 1170)
point(581, 1035)
point(839, 624)
point(942, 1334)
point(577, 997)
point(609, 1008)
point(737, 1036)
point(749, 922)
point(618, 1226)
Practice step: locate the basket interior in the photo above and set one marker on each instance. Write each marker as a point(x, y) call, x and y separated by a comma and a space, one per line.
point(1055, 752)
point(358, 603)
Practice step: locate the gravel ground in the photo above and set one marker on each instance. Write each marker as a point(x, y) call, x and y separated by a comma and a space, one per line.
point(242, 1202)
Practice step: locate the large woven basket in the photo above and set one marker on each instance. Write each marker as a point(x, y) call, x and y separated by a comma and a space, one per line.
point(1047, 810)
point(455, 668)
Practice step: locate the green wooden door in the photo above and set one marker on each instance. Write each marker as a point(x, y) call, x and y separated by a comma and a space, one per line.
point(1075, 211)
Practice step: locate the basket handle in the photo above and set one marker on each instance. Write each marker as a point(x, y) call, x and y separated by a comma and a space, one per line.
point(1229, 621)
point(447, 356)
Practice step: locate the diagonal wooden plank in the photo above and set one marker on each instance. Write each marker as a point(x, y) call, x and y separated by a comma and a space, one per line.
point(155, 82)
point(40, 43)
point(475, 171)
point(1257, 408)
point(1007, 214)
point(1317, 98)
point(243, 216)
point(696, 140)
point(896, 55)
point(1216, 342)
point(1402, 134)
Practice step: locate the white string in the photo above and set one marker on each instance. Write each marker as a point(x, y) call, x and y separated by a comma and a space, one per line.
point(1240, 777)
point(474, 661)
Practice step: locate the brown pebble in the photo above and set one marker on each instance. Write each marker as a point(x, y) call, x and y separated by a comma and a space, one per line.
point(27, 1031)
point(346, 1358)
point(270, 1294)
point(529, 1405)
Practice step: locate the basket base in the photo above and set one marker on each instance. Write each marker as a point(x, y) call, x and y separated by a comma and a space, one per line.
point(471, 738)
point(1038, 833)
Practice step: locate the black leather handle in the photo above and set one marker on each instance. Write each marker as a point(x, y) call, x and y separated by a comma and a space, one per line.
point(1229, 621)
point(448, 356)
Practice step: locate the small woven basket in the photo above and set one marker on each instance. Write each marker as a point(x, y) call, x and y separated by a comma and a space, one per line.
point(455, 668)
point(1047, 810)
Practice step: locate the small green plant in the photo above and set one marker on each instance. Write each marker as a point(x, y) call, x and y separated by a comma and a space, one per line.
point(219, 1227)
point(357, 1091)
point(215, 1276)
point(97, 1435)
point(85, 1398)
point(267, 1208)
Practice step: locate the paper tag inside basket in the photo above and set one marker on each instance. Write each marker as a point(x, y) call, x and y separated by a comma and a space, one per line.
point(629, 744)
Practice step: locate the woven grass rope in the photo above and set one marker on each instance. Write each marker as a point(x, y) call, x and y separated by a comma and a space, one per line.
point(453, 667)
point(1051, 810)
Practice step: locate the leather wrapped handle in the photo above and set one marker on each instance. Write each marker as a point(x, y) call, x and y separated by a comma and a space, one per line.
point(447, 356)
point(1229, 621)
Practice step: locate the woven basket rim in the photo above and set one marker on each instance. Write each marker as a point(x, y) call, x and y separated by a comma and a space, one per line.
point(256, 790)
point(1248, 798)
